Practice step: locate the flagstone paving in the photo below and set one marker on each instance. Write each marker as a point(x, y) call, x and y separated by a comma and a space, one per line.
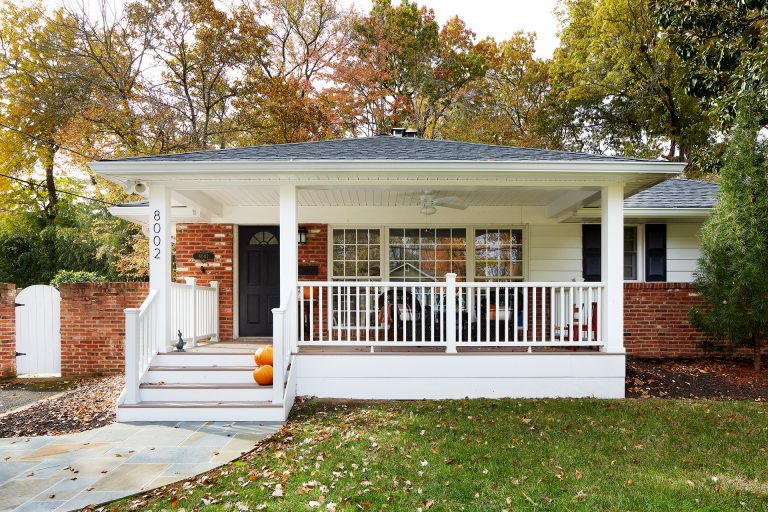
point(72, 471)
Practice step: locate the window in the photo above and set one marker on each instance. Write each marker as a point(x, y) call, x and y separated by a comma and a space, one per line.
point(426, 254)
point(356, 254)
point(630, 253)
point(263, 238)
point(655, 252)
point(498, 254)
point(591, 248)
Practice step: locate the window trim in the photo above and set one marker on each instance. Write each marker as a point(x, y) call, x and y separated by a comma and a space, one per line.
point(470, 229)
point(640, 252)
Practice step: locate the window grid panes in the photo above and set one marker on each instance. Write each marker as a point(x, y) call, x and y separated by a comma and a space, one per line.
point(356, 254)
point(427, 254)
point(630, 253)
point(498, 254)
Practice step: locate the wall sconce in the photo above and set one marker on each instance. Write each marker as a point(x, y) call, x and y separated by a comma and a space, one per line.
point(303, 236)
point(203, 257)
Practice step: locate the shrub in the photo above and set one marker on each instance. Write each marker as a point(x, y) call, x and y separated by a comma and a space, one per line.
point(76, 276)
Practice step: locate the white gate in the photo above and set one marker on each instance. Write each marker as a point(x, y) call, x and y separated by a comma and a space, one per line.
point(38, 331)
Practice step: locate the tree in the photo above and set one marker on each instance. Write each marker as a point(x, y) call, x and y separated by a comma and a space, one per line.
point(41, 95)
point(509, 104)
point(402, 68)
point(725, 45)
point(733, 269)
point(623, 83)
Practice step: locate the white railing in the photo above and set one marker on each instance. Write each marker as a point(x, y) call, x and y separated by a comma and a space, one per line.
point(449, 314)
point(376, 313)
point(194, 311)
point(141, 343)
point(519, 313)
point(282, 346)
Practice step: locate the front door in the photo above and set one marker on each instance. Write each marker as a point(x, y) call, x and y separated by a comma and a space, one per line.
point(259, 279)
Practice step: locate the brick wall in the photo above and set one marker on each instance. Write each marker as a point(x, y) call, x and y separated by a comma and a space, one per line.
point(315, 251)
point(93, 326)
point(219, 239)
point(7, 330)
point(656, 320)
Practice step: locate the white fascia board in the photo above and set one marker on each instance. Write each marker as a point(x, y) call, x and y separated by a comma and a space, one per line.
point(137, 169)
point(667, 212)
point(650, 212)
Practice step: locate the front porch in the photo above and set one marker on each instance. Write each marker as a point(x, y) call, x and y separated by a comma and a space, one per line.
point(427, 280)
point(408, 332)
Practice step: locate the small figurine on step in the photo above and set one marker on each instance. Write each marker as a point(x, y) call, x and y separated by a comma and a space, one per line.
point(180, 343)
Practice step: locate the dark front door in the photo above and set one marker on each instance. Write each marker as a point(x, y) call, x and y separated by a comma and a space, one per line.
point(259, 279)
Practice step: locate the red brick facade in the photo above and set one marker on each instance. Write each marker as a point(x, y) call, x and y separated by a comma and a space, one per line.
point(315, 251)
point(656, 320)
point(219, 239)
point(93, 326)
point(7, 330)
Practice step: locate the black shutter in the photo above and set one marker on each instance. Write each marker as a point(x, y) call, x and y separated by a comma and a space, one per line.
point(655, 252)
point(590, 252)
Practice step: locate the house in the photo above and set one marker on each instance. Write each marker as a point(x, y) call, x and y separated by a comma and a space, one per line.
point(394, 267)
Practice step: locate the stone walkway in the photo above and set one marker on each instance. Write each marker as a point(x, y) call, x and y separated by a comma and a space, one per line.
point(71, 471)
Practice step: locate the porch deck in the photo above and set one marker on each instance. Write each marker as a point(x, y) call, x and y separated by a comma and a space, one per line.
point(247, 346)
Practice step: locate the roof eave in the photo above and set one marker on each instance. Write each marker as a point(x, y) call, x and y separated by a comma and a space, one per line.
point(138, 168)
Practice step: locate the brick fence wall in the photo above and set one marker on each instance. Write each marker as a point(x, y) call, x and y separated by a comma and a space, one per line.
point(93, 326)
point(7, 330)
point(219, 239)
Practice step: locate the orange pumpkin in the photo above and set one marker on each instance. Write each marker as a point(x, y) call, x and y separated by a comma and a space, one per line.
point(263, 375)
point(263, 356)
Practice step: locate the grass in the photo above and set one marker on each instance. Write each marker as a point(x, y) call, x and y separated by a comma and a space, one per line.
point(493, 455)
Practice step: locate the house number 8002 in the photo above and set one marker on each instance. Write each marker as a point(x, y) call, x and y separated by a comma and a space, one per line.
point(156, 228)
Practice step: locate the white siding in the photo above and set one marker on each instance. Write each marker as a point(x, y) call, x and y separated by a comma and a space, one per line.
point(683, 251)
point(554, 252)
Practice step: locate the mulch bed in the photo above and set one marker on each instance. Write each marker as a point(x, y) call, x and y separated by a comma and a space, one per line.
point(711, 379)
point(90, 405)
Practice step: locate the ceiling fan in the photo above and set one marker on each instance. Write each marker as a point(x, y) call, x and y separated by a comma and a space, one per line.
point(429, 203)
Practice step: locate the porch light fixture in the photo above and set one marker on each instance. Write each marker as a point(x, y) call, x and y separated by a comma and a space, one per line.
point(428, 209)
point(303, 236)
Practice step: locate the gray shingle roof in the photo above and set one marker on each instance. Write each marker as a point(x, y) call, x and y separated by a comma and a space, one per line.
point(382, 148)
point(676, 193)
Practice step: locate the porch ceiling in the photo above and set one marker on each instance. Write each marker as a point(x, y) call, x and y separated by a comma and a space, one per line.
point(523, 196)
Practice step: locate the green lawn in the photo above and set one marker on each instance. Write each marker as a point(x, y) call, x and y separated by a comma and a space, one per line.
point(493, 455)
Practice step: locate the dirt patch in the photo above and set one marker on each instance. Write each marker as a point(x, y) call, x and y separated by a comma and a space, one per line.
point(712, 379)
point(20, 392)
point(90, 404)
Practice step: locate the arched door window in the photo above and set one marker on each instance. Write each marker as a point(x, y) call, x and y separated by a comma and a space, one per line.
point(263, 238)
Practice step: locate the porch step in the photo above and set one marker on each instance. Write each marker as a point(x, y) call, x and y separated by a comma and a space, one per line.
point(193, 392)
point(259, 411)
point(204, 359)
point(199, 374)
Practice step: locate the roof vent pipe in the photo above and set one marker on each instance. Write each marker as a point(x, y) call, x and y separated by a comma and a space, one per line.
point(397, 132)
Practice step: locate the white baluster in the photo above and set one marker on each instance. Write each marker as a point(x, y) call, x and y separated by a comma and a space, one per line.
point(450, 313)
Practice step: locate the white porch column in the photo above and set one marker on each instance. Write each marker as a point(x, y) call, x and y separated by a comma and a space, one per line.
point(612, 266)
point(160, 259)
point(289, 252)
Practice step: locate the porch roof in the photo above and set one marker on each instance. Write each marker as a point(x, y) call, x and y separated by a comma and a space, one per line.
point(380, 148)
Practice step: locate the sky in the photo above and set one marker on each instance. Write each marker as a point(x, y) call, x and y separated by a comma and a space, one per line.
point(497, 18)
